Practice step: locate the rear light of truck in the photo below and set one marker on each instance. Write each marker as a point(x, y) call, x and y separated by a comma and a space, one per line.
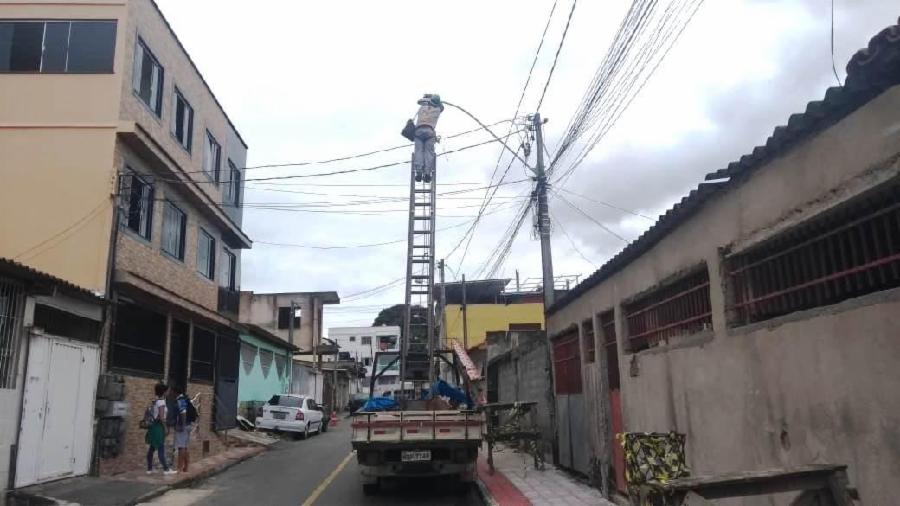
point(299, 416)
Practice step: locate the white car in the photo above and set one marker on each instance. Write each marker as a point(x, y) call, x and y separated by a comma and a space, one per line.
point(292, 413)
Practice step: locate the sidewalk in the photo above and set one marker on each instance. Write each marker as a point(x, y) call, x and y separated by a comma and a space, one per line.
point(128, 488)
point(516, 482)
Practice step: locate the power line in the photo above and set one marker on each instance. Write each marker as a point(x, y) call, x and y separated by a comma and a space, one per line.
point(358, 155)
point(572, 242)
point(607, 204)
point(833, 66)
point(35, 250)
point(497, 139)
point(586, 215)
point(556, 58)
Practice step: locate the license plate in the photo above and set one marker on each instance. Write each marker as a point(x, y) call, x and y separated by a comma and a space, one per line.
point(279, 415)
point(415, 456)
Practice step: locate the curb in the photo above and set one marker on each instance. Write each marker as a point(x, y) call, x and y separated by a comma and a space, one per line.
point(192, 481)
point(485, 493)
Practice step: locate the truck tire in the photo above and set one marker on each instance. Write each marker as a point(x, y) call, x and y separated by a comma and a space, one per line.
point(371, 488)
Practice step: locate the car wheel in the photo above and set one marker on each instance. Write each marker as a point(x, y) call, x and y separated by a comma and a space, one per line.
point(305, 432)
point(370, 488)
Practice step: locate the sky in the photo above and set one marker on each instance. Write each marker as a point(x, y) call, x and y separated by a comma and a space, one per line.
point(311, 81)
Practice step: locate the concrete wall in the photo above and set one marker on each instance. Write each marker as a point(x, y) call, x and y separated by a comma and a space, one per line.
point(817, 386)
point(262, 309)
point(256, 386)
point(56, 140)
point(484, 318)
point(522, 366)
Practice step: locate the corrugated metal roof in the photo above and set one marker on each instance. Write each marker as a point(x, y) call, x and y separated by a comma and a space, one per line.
point(870, 72)
point(31, 274)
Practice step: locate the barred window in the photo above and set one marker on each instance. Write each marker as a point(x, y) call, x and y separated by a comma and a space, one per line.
point(136, 204)
point(675, 310)
point(587, 330)
point(610, 347)
point(844, 253)
point(12, 304)
point(567, 364)
point(139, 341)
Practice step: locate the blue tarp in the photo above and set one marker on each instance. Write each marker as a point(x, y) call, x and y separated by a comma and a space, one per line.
point(380, 404)
point(443, 389)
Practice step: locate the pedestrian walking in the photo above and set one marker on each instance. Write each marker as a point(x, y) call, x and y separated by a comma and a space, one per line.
point(155, 423)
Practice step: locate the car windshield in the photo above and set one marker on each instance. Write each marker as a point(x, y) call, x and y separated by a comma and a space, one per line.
point(287, 401)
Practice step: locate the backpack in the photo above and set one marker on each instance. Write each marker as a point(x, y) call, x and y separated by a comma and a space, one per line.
point(171, 412)
point(191, 415)
point(149, 416)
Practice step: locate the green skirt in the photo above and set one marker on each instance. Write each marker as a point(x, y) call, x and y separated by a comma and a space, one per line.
point(156, 435)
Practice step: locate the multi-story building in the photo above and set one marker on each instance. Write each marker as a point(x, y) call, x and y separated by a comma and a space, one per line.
point(360, 344)
point(131, 174)
point(295, 317)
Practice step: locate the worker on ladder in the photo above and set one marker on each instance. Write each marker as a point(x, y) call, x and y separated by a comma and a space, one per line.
point(421, 131)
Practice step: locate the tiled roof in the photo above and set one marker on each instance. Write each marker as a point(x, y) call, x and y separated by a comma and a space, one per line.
point(870, 72)
point(31, 274)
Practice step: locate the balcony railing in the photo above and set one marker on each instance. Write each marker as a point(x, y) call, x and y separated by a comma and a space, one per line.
point(229, 301)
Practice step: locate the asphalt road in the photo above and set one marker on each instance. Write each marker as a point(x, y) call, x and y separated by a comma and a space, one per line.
point(322, 470)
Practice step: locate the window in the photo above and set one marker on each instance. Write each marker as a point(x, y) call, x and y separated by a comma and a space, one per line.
point(228, 278)
point(148, 78)
point(206, 255)
point(610, 347)
point(288, 401)
point(366, 340)
point(174, 229)
point(677, 309)
point(212, 157)
point(567, 364)
point(203, 354)
point(12, 304)
point(139, 340)
point(183, 121)
point(136, 205)
point(352, 339)
point(284, 317)
point(233, 185)
point(587, 330)
point(848, 252)
point(77, 47)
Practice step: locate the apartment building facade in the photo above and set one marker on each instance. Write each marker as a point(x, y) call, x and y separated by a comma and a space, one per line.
point(360, 344)
point(758, 316)
point(106, 118)
point(295, 317)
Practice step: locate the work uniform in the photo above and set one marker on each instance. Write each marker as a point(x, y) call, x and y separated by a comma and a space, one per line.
point(425, 137)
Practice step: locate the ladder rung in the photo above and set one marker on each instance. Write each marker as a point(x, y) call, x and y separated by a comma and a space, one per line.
point(423, 232)
point(422, 191)
point(422, 218)
point(419, 293)
point(421, 276)
point(422, 204)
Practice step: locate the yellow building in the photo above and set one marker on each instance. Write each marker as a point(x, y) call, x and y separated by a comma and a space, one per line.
point(490, 309)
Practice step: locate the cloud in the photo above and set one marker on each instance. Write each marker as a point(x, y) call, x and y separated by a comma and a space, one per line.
point(306, 80)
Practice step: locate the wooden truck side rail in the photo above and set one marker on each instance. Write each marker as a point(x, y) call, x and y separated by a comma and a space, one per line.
point(411, 426)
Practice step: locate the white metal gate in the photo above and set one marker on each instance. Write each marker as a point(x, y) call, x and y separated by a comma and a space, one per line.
point(56, 434)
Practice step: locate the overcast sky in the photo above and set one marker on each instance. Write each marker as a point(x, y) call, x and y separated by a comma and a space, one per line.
point(316, 80)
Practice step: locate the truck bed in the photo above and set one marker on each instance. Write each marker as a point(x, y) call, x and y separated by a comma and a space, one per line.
point(413, 426)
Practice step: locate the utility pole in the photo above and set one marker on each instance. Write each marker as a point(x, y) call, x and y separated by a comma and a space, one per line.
point(465, 315)
point(291, 323)
point(442, 336)
point(543, 211)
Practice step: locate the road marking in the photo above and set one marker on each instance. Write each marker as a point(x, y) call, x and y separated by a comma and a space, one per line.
point(322, 486)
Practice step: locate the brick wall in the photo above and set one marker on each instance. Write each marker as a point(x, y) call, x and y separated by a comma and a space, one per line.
point(132, 457)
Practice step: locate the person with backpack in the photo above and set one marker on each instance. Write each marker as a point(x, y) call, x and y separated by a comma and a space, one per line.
point(154, 422)
point(184, 424)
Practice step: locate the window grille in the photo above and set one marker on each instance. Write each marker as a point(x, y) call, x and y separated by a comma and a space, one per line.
point(12, 305)
point(203, 354)
point(677, 309)
point(610, 347)
point(587, 329)
point(139, 341)
point(845, 253)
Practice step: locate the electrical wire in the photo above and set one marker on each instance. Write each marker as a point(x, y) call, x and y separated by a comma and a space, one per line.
point(607, 204)
point(833, 65)
point(556, 58)
point(591, 218)
point(572, 242)
point(496, 138)
point(39, 248)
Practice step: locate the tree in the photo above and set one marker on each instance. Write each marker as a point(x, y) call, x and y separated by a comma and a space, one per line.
point(394, 316)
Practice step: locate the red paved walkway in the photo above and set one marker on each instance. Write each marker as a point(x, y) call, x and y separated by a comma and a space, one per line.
point(500, 488)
